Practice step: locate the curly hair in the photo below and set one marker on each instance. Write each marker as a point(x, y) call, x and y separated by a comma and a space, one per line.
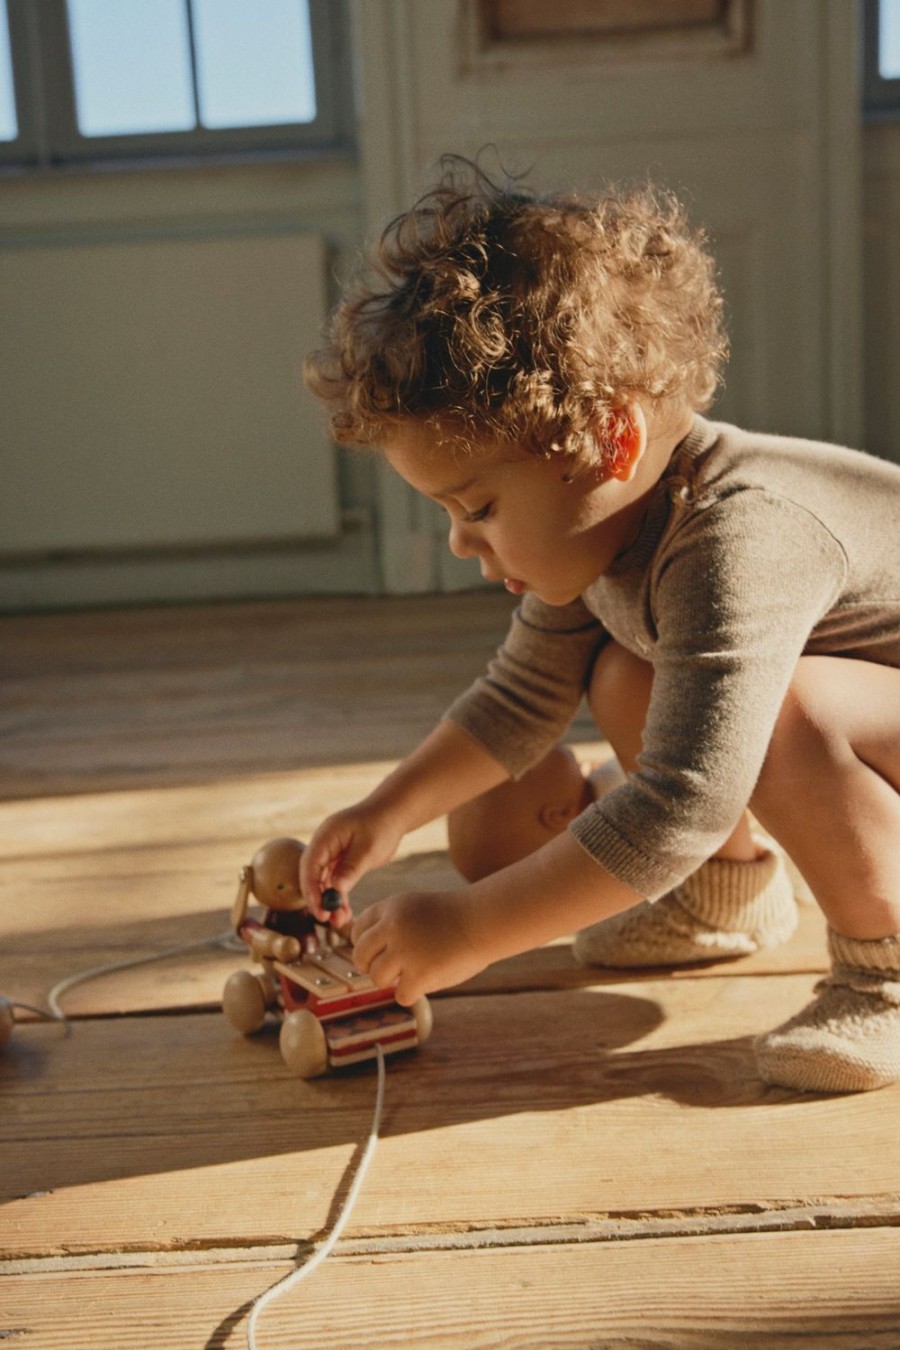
point(496, 313)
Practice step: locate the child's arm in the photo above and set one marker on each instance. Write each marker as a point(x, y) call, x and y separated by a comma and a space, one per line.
point(422, 941)
point(448, 768)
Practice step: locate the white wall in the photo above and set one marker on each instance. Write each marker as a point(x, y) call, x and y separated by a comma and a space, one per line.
point(881, 331)
point(761, 138)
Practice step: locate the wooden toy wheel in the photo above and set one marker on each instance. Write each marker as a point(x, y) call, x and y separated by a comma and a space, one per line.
point(421, 1011)
point(244, 1002)
point(303, 1045)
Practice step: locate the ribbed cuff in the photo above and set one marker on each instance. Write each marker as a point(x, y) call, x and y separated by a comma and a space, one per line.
point(598, 837)
point(882, 954)
point(723, 890)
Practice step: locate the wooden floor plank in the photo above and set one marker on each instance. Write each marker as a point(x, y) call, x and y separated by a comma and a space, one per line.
point(688, 1294)
point(529, 1108)
point(144, 697)
point(240, 812)
point(145, 755)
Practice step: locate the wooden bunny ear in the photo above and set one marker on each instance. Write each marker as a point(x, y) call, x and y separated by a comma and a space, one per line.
point(242, 899)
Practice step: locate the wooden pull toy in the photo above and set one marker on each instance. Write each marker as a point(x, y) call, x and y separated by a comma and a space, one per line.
point(331, 1013)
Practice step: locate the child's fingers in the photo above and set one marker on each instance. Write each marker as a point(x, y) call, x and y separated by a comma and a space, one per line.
point(385, 970)
point(362, 923)
point(367, 937)
point(406, 991)
point(318, 869)
point(373, 955)
point(335, 862)
point(310, 875)
point(372, 950)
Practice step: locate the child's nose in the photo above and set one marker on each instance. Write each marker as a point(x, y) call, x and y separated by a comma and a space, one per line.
point(461, 540)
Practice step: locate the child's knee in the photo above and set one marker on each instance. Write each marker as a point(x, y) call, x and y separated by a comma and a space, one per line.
point(513, 820)
point(807, 739)
point(619, 693)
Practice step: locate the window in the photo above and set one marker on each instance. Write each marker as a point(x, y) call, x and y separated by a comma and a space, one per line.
point(95, 79)
point(9, 127)
point(882, 56)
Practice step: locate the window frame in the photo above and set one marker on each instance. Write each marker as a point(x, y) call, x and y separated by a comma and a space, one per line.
point(881, 96)
point(44, 86)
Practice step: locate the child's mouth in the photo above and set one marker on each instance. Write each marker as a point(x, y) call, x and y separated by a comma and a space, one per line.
point(514, 586)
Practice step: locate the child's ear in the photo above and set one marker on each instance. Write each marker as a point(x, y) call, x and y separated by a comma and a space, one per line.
point(625, 441)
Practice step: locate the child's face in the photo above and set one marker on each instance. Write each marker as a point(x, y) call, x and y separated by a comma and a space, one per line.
point(518, 514)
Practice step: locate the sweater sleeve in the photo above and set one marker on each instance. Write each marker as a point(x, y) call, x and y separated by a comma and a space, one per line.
point(533, 686)
point(735, 596)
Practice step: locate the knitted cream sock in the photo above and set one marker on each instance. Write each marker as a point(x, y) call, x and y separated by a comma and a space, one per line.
point(848, 1038)
point(724, 909)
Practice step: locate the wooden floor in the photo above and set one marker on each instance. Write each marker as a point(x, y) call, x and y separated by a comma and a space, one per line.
point(572, 1160)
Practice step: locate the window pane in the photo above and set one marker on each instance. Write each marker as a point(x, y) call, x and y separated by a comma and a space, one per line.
point(889, 40)
point(254, 62)
point(132, 66)
point(9, 129)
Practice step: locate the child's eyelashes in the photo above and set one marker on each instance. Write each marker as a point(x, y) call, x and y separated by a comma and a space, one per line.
point(472, 517)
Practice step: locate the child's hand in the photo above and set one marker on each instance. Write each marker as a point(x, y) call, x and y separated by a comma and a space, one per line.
point(343, 848)
point(417, 942)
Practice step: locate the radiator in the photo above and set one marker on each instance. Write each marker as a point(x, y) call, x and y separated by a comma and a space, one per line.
point(151, 397)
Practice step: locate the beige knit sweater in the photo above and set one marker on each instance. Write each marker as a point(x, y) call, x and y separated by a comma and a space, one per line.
point(754, 549)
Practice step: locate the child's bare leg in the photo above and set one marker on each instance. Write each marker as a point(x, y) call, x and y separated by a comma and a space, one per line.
point(518, 816)
point(738, 901)
point(830, 792)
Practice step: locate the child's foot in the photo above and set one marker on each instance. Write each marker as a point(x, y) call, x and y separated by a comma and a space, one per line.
point(724, 909)
point(848, 1038)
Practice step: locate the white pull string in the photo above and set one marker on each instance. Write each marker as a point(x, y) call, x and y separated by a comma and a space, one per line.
point(13, 1003)
point(324, 1249)
point(63, 986)
point(330, 1242)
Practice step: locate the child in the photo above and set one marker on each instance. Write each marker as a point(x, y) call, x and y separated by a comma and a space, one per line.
point(728, 602)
